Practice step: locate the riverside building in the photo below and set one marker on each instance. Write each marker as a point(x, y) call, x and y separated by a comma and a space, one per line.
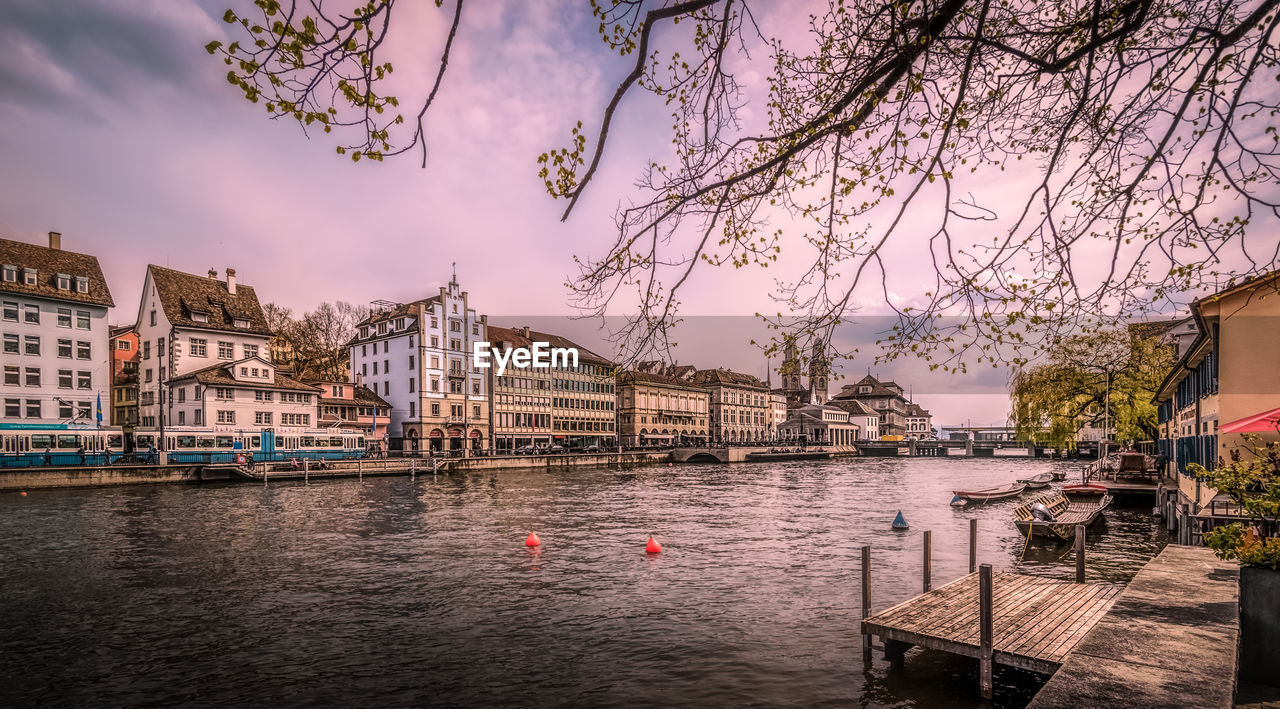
point(740, 404)
point(419, 358)
point(570, 406)
point(53, 314)
point(655, 408)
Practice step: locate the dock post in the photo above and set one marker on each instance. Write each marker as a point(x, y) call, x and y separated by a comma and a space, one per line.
point(359, 469)
point(985, 630)
point(306, 472)
point(1080, 535)
point(866, 603)
point(928, 560)
point(413, 468)
point(1184, 525)
point(973, 545)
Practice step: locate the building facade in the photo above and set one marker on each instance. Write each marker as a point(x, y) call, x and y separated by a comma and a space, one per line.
point(793, 372)
point(574, 407)
point(418, 357)
point(820, 424)
point(778, 412)
point(124, 377)
point(187, 323)
point(919, 423)
point(1225, 376)
point(352, 407)
point(741, 409)
point(659, 409)
point(248, 393)
point(885, 398)
point(862, 416)
point(53, 313)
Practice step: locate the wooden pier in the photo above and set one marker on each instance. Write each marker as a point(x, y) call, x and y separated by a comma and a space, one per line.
point(1034, 621)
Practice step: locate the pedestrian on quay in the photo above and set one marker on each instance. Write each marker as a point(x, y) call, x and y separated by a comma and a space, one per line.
point(80, 452)
point(48, 457)
point(151, 454)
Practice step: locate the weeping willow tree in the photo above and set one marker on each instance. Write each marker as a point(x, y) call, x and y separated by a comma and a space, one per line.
point(1105, 379)
point(1055, 166)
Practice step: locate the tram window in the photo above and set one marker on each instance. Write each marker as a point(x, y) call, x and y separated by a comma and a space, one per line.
point(204, 442)
point(223, 442)
point(145, 441)
point(41, 440)
point(335, 443)
point(308, 442)
point(115, 440)
point(186, 441)
point(255, 441)
point(68, 441)
point(361, 440)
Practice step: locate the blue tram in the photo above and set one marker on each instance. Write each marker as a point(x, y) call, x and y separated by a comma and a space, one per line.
point(26, 445)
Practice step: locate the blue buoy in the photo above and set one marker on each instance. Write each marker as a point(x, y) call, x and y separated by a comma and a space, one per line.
point(957, 501)
point(900, 522)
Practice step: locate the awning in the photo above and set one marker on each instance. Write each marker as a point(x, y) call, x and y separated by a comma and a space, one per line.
point(1264, 422)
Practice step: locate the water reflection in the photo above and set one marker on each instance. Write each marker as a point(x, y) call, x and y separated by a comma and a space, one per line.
point(391, 591)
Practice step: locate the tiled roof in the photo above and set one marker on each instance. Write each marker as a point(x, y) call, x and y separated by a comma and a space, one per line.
point(725, 377)
point(181, 294)
point(399, 310)
point(220, 376)
point(517, 339)
point(916, 410)
point(660, 379)
point(364, 396)
point(854, 407)
point(48, 264)
point(850, 391)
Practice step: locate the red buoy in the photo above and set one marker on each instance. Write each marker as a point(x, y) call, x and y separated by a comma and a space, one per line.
point(532, 540)
point(23, 493)
point(653, 547)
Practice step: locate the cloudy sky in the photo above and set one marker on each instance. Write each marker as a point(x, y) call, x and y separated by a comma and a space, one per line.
point(123, 134)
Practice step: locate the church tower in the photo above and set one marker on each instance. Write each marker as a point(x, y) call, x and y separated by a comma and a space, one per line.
point(791, 366)
point(818, 372)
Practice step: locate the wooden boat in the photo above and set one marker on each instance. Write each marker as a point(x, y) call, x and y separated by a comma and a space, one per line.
point(1064, 512)
point(1059, 475)
point(986, 494)
point(1037, 482)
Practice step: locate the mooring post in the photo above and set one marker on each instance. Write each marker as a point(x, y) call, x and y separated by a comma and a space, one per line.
point(1184, 525)
point(1080, 534)
point(359, 469)
point(866, 603)
point(973, 545)
point(985, 631)
point(928, 560)
point(413, 468)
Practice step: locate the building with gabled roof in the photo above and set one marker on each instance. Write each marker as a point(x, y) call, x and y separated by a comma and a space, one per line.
point(659, 409)
point(246, 393)
point(352, 407)
point(864, 417)
point(740, 405)
point(899, 417)
point(53, 314)
point(188, 323)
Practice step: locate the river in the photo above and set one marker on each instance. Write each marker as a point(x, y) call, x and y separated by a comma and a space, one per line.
point(398, 592)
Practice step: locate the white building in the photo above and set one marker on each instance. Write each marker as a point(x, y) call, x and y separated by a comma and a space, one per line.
point(188, 323)
point(419, 357)
point(865, 417)
point(53, 314)
point(821, 424)
point(778, 412)
point(247, 393)
point(919, 422)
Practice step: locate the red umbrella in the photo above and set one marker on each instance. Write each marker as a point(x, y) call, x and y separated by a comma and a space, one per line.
point(1264, 422)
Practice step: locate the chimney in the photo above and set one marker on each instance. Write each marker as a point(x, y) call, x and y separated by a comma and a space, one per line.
point(231, 281)
point(213, 273)
point(524, 332)
point(55, 240)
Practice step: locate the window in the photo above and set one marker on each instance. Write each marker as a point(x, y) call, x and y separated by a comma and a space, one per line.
point(411, 386)
point(475, 410)
point(198, 418)
point(435, 341)
point(455, 345)
point(65, 409)
point(31, 314)
point(200, 317)
point(224, 393)
point(375, 369)
point(410, 362)
point(240, 322)
point(475, 388)
point(244, 372)
point(146, 349)
point(364, 370)
point(386, 388)
point(386, 346)
point(12, 375)
point(10, 311)
point(13, 408)
point(11, 344)
point(435, 384)
point(64, 281)
point(83, 350)
point(64, 317)
point(386, 366)
point(83, 409)
point(435, 409)
point(64, 378)
point(82, 284)
point(84, 380)
point(32, 345)
point(226, 350)
point(250, 350)
point(10, 274)
point(199, 347)
point(182, 393)
point(263, 396)
point(295, 419)
point(33, 376)
point(226, 417)
point(412, 410)
point(262, 418)
point(153, 318)
point(29, 276)
point(82, 319)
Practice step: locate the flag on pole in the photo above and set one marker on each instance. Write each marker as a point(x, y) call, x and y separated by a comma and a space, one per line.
point(99, 409)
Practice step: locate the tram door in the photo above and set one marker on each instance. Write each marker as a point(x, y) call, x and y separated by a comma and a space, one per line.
point(268, 441)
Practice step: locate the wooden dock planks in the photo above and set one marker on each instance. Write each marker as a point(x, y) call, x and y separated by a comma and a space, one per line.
point(1036, 621)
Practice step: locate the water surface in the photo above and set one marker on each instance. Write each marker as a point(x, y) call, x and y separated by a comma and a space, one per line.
point(397, 592)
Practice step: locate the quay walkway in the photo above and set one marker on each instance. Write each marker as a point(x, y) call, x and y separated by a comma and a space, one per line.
point(1171, 638)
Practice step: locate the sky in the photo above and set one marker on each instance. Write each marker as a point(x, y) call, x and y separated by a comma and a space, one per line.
point(122, 133)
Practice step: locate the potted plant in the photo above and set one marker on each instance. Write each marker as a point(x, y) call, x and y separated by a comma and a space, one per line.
point(1251, 478)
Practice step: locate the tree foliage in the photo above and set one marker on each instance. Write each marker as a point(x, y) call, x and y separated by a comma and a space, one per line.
point(1133, 144)
point(315, 344)
point(1051, 402)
